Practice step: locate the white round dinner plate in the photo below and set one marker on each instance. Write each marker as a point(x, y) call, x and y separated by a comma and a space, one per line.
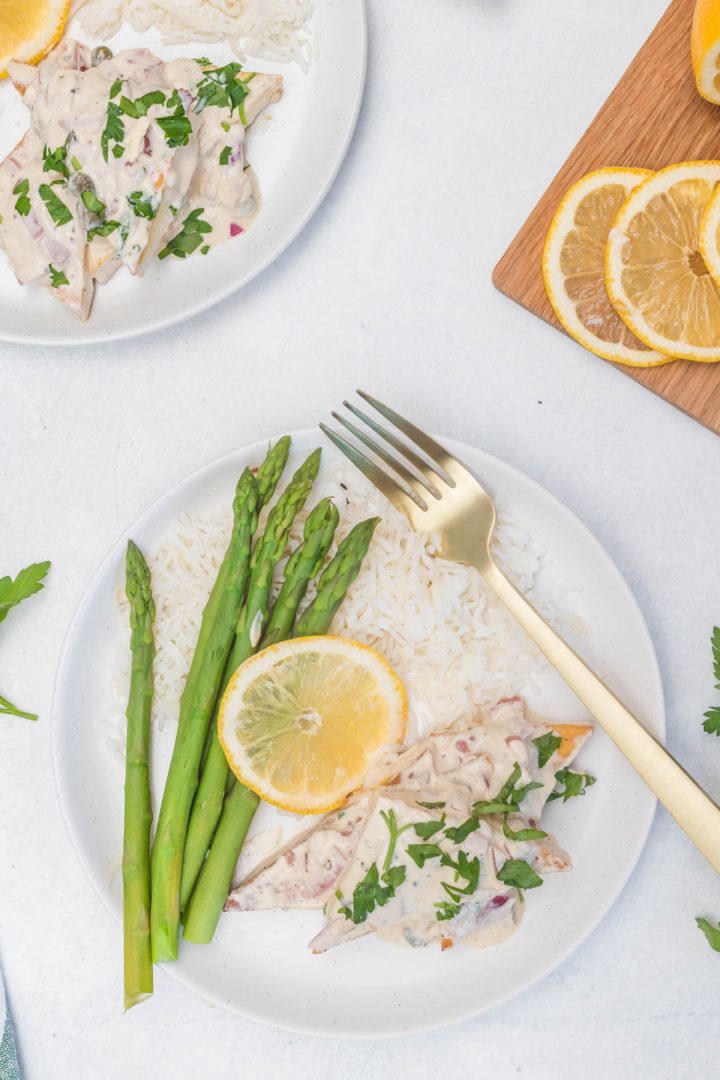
point(259, 964)
point(296, 149)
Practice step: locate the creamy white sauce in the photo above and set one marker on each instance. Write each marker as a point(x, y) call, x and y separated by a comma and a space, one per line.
point(147, 186)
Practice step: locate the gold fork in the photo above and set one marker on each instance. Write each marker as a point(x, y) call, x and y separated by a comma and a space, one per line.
point(438, 494)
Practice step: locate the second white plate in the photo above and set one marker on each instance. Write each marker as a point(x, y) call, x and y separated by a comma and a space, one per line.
point(259, 964)
point(296, 153)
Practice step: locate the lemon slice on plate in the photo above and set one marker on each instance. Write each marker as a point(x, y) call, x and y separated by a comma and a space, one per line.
point(574, 266)
point(29, 29)
point(705, 49)
point(655, 274)
point(303, 721)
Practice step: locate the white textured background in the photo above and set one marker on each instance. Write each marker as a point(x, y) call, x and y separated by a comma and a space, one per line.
point(471, 106)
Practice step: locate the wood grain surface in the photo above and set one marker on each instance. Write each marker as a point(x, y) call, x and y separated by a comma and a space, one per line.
point(654, 117)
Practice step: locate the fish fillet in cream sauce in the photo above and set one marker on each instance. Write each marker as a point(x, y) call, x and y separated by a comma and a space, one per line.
point(127, 158)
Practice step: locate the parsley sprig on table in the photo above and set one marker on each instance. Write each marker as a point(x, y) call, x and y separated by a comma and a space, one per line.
point(12, 592)
point(711, 723)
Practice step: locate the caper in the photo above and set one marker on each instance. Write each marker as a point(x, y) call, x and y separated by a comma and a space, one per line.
point(100, 54)
point(80, 182)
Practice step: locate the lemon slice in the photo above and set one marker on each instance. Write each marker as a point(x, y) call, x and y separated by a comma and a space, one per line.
point(710, 235)
point(655, 274)
point(303, 721)
point(705, 48)
point(574, 266)
point(29, 29)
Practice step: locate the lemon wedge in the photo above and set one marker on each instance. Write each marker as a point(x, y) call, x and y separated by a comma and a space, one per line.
point(655, 273)
point(303, 721)
point(574, 266)
point(29, 29)
point(705, 49)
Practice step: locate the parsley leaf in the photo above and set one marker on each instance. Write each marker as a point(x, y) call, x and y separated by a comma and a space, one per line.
point(56, 208)
point(426, 829)
point(223, 88)
point(446, 910)
point(203, 61)
point(141, 206)
point(56, 160)
point(571, 784)
point(519, 874)
point(523, 834)
point(105, 229)
point(28, 582)
point(369, 893)
point(420, 853)
point(76, 164)
point(458, 833)
point(8, 709)
point(433, 805)
point(114, 130)
point(23, 203)
point(139, 107)
point(93, 204)
point(225, 155)
point(712, 933)
point(176, 126)
point(189, 238)
point(58, 278)
point(711, 723)
point(115, 88)
point(546, 746)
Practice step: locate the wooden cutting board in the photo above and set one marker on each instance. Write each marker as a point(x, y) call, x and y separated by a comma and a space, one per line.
point(654, 117)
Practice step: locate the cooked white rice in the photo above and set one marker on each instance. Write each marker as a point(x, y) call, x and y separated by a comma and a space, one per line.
point(450, 639)
point(272, 30)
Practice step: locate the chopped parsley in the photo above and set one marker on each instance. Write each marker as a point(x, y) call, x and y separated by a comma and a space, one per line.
point(519, 874)
point(446, 910)
point(225, 155)
point(57, 277)
point(376, 889)
point(523, 834)
point(190, 237)
point(56, 208)
point(203, 61)
point(426, 829)
point(105, 229)
point(114, 130)
point(56, 161)
point(76, 164)
point(204, 249)
point(222, 87)
point(432, 805)
point(420, 853)
point(571, 784)
point(176, 126)
point(507, 801)
point(93, 204)
point(139, 107)
point(22, 205)
point(141, 206)
point(546, 746)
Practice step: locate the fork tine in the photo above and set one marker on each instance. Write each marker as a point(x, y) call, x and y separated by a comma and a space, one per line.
point(377, 476)
point(437, 453)
point(409, 478)
point(427, 473)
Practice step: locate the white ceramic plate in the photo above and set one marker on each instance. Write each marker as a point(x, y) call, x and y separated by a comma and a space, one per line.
point(296, 154)
point(259, 965)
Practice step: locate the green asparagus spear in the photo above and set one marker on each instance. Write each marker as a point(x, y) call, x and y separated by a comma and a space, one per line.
point(196, 708)
point(271, 470)
point(213, 885)
point(269, 549)
point(138, 808)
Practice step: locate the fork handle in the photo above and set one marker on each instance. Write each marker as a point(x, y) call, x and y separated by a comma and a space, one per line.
point(692, 808)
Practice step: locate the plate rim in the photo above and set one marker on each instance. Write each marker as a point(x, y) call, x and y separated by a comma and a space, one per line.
point(99, 338)
point(174, 969)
